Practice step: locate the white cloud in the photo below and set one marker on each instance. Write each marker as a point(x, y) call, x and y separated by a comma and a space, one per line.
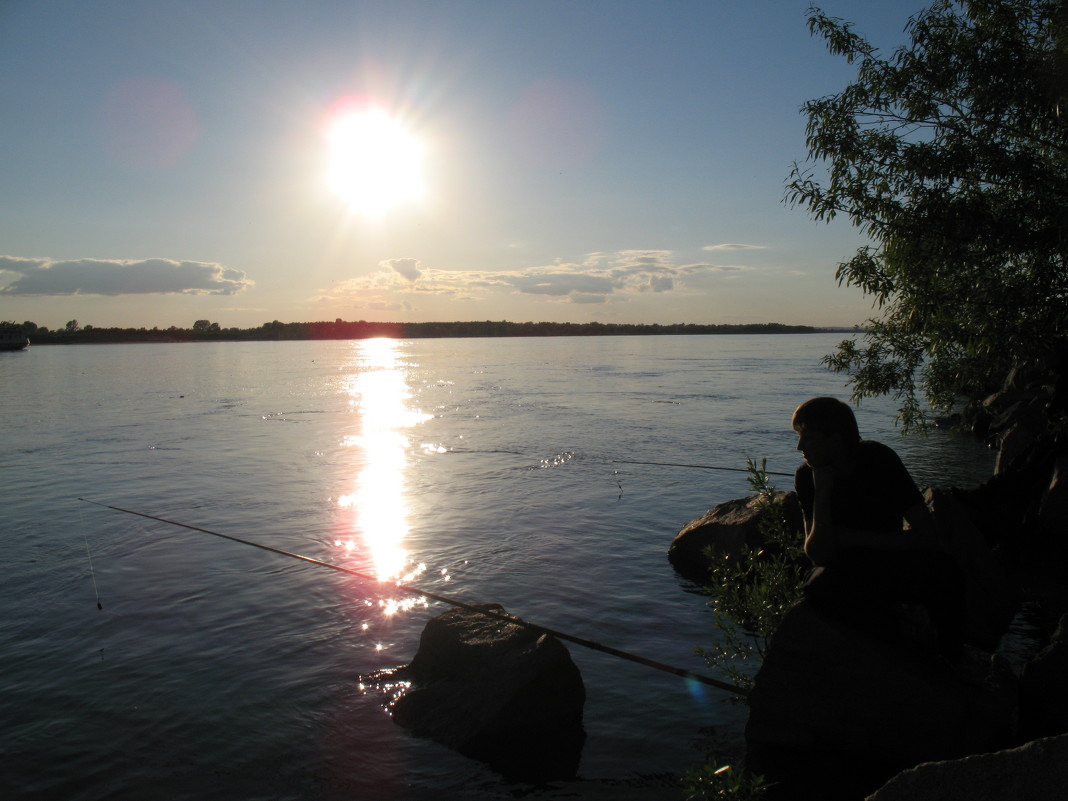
point(120, 277)
point(559, 283)
point(599, 277)
point(734, 246)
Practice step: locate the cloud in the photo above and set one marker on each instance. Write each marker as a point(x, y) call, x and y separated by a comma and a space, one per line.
point(693, 269)
point(561, 283)
point(734, 246)
point(384, 306)
point(661, 283)
point(120, 277)
point(409, 268)
point(598, 278)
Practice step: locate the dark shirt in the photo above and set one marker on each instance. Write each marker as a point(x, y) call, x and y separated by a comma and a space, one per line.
point(872, 497)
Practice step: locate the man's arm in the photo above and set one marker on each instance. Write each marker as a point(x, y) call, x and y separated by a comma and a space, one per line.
point(908, 539)
point(823, 537)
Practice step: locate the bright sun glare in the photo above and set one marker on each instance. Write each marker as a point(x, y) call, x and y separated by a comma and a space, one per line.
point(375, 163)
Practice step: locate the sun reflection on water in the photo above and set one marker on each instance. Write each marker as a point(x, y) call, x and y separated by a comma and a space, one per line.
point(379, 395)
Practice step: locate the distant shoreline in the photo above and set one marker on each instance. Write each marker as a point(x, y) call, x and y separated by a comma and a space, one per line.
point(205, 331)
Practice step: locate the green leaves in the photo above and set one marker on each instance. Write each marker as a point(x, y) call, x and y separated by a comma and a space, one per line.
point(714, 781)
point(753, 589)
point(952, 155)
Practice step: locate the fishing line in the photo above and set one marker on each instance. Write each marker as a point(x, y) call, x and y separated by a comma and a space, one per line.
point(702, 467)
point(677, 671)
point(92, 572)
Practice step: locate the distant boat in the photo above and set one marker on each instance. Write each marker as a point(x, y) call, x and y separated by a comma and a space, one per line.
point(12, 338)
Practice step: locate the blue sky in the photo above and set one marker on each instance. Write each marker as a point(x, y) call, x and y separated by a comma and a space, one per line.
point(164, 162)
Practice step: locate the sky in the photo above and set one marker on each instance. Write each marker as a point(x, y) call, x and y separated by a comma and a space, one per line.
point(243, 162)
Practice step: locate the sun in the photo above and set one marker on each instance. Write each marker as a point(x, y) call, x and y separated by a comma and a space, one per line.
point(374, 162)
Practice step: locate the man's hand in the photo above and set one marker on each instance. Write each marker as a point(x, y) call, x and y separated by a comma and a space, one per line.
point(823, 480)
point(821, 542)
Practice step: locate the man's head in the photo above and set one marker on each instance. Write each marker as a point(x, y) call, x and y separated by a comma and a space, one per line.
point(826, 429)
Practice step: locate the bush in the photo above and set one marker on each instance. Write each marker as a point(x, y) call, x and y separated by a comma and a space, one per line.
point(752, 590)
point(715, 781)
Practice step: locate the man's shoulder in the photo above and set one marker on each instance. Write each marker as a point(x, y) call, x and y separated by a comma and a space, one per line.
point(882, 459)
point(870, 448)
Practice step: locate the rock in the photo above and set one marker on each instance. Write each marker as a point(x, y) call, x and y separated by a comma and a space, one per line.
point(1036, 771)
point(991, 598)
point(991, 418)
point(833, 700)
point(1043, 691)
point(1017, 441)
point(498, 692)
point(727, 527)
point(1053, 508)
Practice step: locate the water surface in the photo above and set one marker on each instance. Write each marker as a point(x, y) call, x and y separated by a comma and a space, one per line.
point(483, 469)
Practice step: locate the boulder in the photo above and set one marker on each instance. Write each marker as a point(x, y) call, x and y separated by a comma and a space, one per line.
point(1035, 771)
point(1016, 443)
point(496, 691)
point(991, 598)
point(1053, 508)
point(1020, 399)
point(727, 527)
point(1043, 690)
point(832, 699)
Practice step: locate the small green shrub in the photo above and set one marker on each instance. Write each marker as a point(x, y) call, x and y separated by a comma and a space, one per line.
point(753, 589)
point(751, 592)
point(713, 781)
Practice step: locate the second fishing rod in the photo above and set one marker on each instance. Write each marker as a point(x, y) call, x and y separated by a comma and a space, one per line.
point(472, 607)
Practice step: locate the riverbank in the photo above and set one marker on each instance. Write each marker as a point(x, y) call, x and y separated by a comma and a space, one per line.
point(206, 331)
point(864, 698)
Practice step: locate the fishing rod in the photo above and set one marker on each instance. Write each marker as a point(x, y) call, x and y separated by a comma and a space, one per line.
point(641, 660)
point(701, 467)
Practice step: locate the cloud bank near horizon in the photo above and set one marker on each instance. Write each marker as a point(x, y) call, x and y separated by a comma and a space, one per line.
point(599, 278)
point(39, 276)
point(734, 246)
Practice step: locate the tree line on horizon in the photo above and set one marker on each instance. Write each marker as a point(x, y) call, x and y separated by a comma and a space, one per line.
point(205, 330)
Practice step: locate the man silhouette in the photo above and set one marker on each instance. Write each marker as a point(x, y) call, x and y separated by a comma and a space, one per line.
point(868, 532)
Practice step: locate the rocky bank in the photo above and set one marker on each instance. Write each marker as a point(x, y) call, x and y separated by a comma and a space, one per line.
point(838, 712)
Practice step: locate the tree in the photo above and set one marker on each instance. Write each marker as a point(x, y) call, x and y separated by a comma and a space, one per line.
point(952, 155)
point(201, 325)
point(72, 326)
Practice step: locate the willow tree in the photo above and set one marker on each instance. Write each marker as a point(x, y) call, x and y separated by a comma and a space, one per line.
point(952, 156)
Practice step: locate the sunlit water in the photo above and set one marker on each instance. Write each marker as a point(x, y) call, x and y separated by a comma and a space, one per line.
point(476, 468)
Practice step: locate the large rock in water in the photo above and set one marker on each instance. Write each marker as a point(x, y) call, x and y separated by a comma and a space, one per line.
point(498, 692)
point(1036, 771)
point(839, 705)
point(727, 527)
